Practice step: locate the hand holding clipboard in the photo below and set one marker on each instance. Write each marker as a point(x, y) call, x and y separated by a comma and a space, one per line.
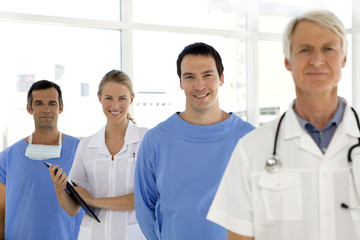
point(74, 195)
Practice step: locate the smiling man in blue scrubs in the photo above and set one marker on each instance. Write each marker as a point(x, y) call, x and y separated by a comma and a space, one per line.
point(181, 160)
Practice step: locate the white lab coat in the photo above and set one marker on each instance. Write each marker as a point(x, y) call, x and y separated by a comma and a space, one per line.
point(302, 200)
point(94, 169)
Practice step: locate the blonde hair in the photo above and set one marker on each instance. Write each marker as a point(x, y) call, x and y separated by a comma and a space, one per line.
point(323, 18)
point(117, 77)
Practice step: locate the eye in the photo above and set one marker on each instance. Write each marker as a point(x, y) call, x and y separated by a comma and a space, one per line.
point(304, 50)
point(123, 98)
point(108, 98)
point(329, 49)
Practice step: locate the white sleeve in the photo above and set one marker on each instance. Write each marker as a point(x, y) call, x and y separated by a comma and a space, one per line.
point(78, 172)
point(232, 205)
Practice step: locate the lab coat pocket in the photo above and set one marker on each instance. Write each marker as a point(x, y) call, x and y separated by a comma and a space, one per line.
point(282, 195)
point(130, 172)
point(134, 232)
point(133, 229)
point(85, 228)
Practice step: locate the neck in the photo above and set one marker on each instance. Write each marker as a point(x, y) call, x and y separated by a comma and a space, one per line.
point(317, 110)
point(204, 118)
point(45, 136)
point(116, 129)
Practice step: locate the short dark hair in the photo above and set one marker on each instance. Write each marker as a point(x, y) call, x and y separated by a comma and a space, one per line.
point(42, 85)
point(200, 48)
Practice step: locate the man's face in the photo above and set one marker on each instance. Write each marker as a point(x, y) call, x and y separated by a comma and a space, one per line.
point(45, 108)
point(316, 59)
point(200, 81)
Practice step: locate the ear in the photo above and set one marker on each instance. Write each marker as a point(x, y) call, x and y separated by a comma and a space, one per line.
point(132, 98)
point(344, 61)
point(221, 79)
point(287, 64)
point(61, 108)
point(28, 108)
point(181, 85)
point(99, 97)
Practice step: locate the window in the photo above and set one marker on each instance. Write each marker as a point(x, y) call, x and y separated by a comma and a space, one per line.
point(74, 43)
point(71, 57)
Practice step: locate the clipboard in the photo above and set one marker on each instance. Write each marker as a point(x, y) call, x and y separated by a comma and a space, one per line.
point(74, 195)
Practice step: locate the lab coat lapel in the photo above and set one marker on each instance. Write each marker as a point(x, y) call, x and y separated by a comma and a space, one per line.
point(98, 141)
point(347, 128)
point(293, 130)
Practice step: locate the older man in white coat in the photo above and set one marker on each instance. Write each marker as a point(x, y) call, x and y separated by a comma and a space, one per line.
point(308, 192)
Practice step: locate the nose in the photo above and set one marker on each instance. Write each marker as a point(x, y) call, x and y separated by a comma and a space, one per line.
point(116, 104)
point(199, 83)
point(46, 108)
point(317, 58)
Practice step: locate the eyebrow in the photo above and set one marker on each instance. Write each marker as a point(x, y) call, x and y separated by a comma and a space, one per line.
point(40, 101)
point(190, 74)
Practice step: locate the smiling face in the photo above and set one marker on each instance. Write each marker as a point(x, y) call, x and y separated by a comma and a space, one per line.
point(115, 99)
point(45, 108)
point(200, 81)
point(316, 59)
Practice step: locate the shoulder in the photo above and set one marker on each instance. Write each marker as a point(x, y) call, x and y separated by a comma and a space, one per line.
point(140, 131)
point(21, 144)
point(264, 134)
point(157, 134)
point(237, 125)
point(70, 139)
point(239, 122)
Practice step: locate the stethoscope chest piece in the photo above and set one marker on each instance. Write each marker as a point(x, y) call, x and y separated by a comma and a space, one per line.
point(272, 165)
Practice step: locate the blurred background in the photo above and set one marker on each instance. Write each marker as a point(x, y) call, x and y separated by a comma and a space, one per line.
point(75, 42)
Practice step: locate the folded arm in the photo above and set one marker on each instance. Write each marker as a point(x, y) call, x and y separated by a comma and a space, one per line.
point(120, 203)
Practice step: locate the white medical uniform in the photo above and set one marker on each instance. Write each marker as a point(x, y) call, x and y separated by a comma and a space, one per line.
point(302, 200)
point(94, 169)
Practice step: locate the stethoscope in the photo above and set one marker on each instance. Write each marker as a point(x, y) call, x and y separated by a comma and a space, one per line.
point(273, 164)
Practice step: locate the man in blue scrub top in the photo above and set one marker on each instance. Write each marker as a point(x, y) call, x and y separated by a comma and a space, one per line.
point(29, 208)
point(181, 160)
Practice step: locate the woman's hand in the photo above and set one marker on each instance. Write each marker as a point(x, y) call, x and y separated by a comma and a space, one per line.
point(85, 195)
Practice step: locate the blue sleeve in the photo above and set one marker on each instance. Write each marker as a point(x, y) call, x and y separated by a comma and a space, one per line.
point(145, 189)
point(3, 161)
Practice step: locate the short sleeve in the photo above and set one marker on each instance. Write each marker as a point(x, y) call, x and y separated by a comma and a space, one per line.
point(232, 205)
point(78, 172)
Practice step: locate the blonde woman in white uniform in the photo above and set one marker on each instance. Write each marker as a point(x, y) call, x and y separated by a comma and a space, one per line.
point(104, 166)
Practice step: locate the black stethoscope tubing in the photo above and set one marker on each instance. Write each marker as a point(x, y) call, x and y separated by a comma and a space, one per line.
point(273, 164)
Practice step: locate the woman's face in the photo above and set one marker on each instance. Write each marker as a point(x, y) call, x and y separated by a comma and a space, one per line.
point(115, 99)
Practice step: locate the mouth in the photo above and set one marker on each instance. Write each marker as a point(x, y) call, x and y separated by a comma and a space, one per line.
point(201, 95)
point(115, 113)
point(315, 74)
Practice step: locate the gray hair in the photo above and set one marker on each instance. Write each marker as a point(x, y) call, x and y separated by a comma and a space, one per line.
point(323, 18)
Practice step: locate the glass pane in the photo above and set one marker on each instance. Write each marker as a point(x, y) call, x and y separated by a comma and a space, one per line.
point(157, 86)
point(217, 14)
point(275, 14)
point(75, 58)
point(99, 9)
point(276, 87)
